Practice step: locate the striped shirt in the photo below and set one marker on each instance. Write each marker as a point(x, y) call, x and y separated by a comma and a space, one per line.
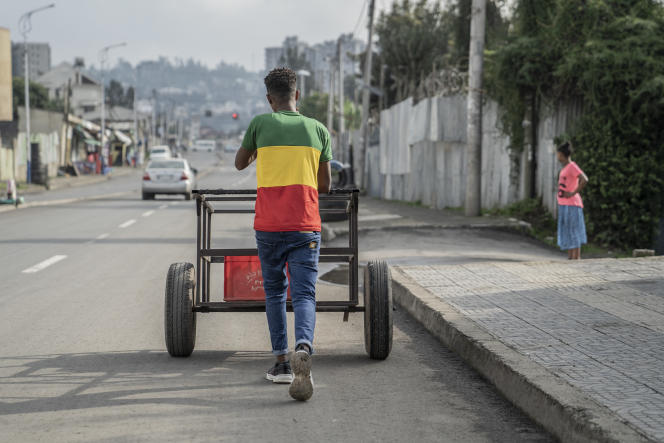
point(290, 148)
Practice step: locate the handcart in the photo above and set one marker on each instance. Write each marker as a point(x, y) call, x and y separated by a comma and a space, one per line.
point(188, 286)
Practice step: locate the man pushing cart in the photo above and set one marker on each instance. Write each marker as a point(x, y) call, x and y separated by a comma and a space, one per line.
point(292, 154)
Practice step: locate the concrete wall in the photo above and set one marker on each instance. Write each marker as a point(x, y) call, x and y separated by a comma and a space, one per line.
point(437, 163)
point(6, 103)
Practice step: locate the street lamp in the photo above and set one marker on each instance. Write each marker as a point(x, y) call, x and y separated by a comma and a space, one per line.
point(303, 73)
point(25, 26)
point(103, 56)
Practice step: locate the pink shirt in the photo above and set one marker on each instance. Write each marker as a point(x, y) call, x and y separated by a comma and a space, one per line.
point(568, 180)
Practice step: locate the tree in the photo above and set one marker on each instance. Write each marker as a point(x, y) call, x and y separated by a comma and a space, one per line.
point(315, 106)
point(38, 96)
point(413, 39)
point(294, 59)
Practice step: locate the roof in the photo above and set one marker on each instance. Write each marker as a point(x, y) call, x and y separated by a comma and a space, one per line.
point(61, 74)
point(115, 113)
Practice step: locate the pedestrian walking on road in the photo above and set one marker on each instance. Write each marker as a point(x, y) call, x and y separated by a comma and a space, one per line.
point(571, 224)
point(292, 154)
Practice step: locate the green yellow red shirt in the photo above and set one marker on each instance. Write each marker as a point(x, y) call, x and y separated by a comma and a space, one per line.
point(290, 148)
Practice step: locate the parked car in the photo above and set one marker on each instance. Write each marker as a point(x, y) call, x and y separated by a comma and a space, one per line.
point(160, 152)
point(168, 176)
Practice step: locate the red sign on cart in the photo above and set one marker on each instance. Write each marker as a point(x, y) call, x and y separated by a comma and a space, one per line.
point(243, 279)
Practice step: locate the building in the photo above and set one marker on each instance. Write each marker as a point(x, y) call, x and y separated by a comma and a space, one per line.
point(320, 57)
point(39, 59)
point(85, 91)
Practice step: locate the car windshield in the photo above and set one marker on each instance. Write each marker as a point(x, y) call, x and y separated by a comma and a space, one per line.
point(166, 164)
point(158, 151)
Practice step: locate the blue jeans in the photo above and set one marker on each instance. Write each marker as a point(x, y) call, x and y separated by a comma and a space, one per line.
point(301, 251)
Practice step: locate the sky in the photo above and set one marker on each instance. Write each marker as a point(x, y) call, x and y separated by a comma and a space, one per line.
point(235, 31)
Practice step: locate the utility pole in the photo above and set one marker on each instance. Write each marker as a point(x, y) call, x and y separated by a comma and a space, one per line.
point(474, 131)
point(137, 154)
point(103, 56)
point(342, 123)
point(25, 26)
point(330, 99)
point(365, 95)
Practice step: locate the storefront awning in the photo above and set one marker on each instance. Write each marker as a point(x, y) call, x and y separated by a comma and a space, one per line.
point(123, 138)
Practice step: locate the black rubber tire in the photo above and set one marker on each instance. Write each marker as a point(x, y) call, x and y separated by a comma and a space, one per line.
point(148, 196)
point(179, 317)
point(187, 195)
point(377, 310)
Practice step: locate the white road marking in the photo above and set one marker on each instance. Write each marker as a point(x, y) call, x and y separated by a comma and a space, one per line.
point(163, 206)
point(127, 224)
point(148, 213)
point(45, 264)
point(377, 217)
point(99, 237)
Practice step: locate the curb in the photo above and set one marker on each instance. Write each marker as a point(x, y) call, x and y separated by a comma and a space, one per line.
point(80, 199)
point(517, 227)
point(550, 401)
point(64, 201)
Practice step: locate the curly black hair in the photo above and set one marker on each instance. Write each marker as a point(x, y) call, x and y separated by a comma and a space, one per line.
point(281, 83)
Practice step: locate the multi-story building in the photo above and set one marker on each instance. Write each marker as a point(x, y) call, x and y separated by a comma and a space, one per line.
point(85, 91)
point(39, 59)
point(321, 58)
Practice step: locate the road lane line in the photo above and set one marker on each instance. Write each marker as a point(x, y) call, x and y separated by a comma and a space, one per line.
point(127, 224)
point(163, 207)
point(45, 264)
point(99, 237)
point(148, 213)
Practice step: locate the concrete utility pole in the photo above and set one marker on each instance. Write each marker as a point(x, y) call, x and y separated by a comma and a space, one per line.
point(139, 155)
point(330, 100)
point(474, 130)
point(342, 123)
point(103, 56)
point(25, 26)
point(365, 95)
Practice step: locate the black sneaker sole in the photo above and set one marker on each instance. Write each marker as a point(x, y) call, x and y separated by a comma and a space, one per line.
point(302, 387)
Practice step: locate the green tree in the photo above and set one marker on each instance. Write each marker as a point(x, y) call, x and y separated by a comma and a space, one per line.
point(38, 96)
point(608, 56)
point(315, 106)
point(413, 38)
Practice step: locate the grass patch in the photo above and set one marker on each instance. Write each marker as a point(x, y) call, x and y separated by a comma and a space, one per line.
point(545, 229)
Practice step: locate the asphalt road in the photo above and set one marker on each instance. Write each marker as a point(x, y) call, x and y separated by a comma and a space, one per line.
point(82, 354)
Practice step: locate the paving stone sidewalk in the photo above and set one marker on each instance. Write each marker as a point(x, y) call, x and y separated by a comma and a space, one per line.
point(597, 324)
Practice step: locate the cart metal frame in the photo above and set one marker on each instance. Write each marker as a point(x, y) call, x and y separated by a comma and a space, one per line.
point(206, 256)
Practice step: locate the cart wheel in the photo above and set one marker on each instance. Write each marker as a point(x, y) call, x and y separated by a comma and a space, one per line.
point(377, 310)
point(179, 318)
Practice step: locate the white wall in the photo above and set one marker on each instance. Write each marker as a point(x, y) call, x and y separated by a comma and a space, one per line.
point(436, 177)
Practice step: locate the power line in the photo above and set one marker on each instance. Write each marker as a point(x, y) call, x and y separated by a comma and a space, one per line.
point(359, 19)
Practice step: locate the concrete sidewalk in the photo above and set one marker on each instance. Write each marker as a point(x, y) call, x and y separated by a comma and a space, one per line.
point(384, 215)
point(579, 346)
point(61, 182)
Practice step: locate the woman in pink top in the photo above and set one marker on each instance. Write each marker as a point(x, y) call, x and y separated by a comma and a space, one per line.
point(571, 225)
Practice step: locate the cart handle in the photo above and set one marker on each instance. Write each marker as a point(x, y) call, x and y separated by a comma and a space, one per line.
point(253, 191)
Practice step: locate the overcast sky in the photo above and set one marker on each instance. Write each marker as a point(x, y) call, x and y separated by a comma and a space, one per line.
point(235, 31)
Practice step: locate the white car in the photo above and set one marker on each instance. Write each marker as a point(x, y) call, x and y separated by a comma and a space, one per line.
point(160, 152)
point(168, 176)
point(204, 145)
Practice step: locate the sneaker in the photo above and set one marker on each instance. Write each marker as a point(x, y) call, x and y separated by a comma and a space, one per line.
point(280, 373)
point(302, 387)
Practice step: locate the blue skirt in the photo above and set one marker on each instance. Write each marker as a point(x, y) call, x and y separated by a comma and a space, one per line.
point(571, 227)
